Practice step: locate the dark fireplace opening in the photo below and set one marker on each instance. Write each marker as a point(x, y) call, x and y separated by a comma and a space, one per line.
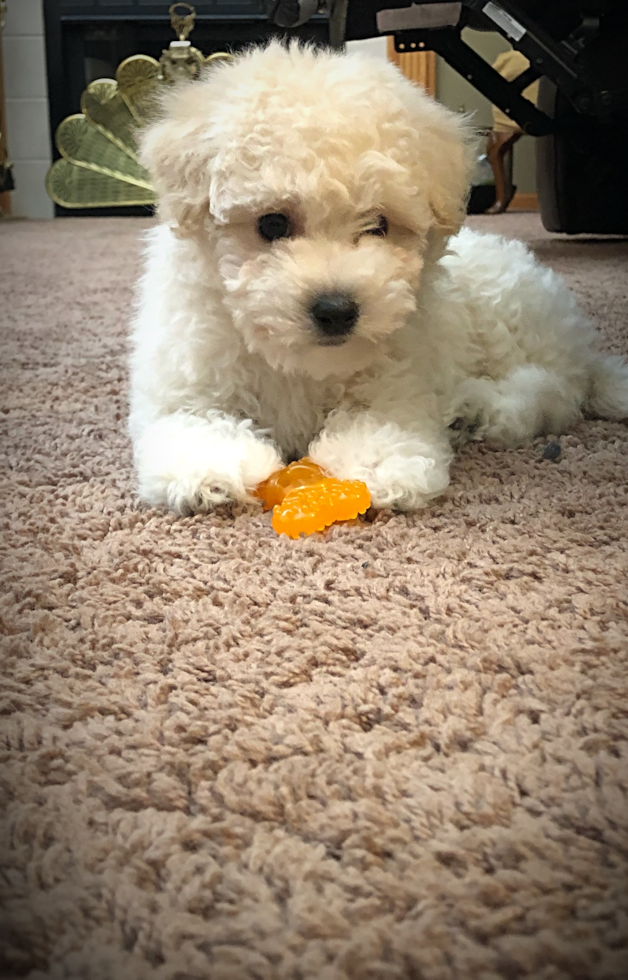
point(87, 39)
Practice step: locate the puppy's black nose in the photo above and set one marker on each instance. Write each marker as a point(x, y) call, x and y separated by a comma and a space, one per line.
point(335, 314)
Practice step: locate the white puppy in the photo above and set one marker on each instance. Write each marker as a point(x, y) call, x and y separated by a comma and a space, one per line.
point(304, 294)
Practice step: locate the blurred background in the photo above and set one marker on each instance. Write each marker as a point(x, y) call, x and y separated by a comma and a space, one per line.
point(52, 49)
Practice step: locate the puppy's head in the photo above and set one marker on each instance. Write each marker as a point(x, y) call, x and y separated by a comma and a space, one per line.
point(314, 183)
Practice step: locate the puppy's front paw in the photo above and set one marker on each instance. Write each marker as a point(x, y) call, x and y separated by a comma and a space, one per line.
point(193, 464)
point(403, 468)
point(407, 482)
point(185, 497)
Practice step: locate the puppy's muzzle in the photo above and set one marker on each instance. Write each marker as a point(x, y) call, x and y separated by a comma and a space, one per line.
point(334, 315)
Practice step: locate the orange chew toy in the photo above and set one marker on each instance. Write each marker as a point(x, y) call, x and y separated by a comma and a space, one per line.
point(305, 499)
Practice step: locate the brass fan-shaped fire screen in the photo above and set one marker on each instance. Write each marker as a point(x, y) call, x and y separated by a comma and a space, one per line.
point(99, 166)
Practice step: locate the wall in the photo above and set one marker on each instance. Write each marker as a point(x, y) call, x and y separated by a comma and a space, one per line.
point(456, 92)
point(28, 131)
point(374, 46)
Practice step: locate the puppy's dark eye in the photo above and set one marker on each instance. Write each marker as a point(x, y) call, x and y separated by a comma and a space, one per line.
point(380, 229)
point(274, 226)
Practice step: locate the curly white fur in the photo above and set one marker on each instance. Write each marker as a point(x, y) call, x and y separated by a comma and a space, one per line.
point(229, 375)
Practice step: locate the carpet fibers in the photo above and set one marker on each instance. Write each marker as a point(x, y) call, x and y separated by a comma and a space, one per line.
point(394, 752)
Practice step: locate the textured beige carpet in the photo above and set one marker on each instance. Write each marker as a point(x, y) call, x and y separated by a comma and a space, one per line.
point(398, 751)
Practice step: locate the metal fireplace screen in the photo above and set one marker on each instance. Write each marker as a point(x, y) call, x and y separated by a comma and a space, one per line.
point(99, 166)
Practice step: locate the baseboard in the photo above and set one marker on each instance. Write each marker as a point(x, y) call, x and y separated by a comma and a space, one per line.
point(524, 202)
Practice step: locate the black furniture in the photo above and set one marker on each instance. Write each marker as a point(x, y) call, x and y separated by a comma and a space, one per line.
point(579, 50)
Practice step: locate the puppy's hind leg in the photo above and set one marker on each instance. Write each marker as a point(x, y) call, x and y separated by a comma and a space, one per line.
point(512, 411)
point(608, 389)
point(191, 463)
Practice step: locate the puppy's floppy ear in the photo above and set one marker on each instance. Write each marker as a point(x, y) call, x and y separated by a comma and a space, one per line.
point(446, 154)
point(177, 152)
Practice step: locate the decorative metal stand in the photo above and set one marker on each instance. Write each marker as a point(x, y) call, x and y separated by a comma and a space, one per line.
point(99, 166)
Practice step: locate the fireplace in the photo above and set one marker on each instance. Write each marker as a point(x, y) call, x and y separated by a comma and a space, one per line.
point(87, 39)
